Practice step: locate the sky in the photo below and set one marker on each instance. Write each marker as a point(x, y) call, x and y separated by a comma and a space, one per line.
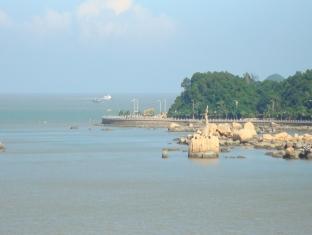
point(110, 46)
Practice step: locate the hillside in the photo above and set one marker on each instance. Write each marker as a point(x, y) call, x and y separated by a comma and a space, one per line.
point(232, 96)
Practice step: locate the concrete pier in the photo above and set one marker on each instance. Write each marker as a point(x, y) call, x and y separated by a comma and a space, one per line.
point(157, 122)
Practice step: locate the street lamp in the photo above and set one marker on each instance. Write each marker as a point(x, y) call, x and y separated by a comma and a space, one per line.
point(159, 106)
point(236, 105)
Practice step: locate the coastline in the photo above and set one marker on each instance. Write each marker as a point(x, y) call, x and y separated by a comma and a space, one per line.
point(156, 122)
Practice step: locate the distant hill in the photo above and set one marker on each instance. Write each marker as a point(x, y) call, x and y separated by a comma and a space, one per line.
point(275, 77)
point(233, 96)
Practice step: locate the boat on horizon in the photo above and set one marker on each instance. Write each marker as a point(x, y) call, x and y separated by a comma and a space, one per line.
point(102, 99)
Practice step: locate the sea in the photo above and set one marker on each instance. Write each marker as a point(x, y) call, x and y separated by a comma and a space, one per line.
point(109, 180)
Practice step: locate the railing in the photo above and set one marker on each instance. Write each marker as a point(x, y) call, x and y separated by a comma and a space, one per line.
point(158, 118)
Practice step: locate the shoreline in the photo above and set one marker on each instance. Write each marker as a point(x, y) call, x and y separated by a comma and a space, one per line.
point(156, 122)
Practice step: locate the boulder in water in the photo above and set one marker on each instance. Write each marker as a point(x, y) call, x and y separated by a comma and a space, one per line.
point(164, 154)
point(2, 147)
point(246, 134)
point(290, 153)
point(224, 130)
point(204, 146)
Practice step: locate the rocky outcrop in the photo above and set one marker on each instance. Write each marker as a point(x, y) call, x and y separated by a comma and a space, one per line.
point(307, 138)
point(284, 136)
point(236, 126)
point(246, 134)
point(224, 130)
point(267, 138)
point(277, 154)
point(306, 153)
point(291, 153)
point(164, 154)
point(2, 147)
point(202, 146)
point(207, 142)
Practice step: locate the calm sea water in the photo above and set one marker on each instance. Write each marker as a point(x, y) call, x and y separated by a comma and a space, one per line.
point(90, 181)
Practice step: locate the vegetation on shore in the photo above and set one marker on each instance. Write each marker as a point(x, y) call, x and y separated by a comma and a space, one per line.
point(230, 96)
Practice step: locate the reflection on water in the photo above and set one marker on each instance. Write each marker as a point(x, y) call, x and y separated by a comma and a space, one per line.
point(205, 162)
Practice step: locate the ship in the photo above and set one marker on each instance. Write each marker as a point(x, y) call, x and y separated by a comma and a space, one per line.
point(102, 99)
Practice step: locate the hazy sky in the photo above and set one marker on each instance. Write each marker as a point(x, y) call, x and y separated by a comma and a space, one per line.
point(147, 46)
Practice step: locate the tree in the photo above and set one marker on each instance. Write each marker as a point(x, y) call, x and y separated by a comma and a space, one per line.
point(291, 97)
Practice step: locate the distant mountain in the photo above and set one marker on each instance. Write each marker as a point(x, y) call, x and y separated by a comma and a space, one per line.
point(275, 77)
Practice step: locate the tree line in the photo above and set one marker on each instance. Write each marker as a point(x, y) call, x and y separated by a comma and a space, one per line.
point(231, 96)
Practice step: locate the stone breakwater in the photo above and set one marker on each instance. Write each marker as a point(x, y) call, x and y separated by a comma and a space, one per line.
point(212, 139)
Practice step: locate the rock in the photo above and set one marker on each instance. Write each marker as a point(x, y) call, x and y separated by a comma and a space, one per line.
point(298, 145)
point(171, 149)
point(279, 146)
point(2, 147)
point(267, 137)
point(278, 154)
point(235, 157)
point(264, 145)
point(204, 144)
point(246, 134)
point(241, 157)
point(290, 153)
point(174, 127)
point(249, 125)
point(73, 127)
point(229, 142)
point(164, 154)
point(224, 130)
point(183, 140)
point(200, 144)
point(307, 138)
point(284, 136)
point(309, 156)
point(225, 150)
point(236, 126)
point(306, 153)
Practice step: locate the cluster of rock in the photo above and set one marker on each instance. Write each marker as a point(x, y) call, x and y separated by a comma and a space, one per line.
point(205, 143)
point(210, 140)
point(287, 146)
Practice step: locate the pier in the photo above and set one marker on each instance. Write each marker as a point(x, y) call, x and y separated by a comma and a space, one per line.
point(158, 122)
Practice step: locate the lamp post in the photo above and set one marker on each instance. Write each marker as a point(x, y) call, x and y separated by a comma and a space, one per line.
point(165, 104)
point(236, 105)
point(159, 106)
point(135, 106)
